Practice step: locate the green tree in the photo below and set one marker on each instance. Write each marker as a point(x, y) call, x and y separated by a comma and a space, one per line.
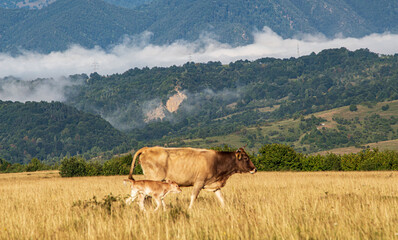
point(385, 107)
point(94, 169)
point(275, 157)
point(120, 166)
point(4, 165)
point(35, 165)
point(353, 108)
point(73, 167)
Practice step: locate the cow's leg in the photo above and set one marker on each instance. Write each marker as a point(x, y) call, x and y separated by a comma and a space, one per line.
point(220, 197)
point(195, 192)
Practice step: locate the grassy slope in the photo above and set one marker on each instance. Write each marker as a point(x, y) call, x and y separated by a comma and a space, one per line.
point(362, 112)
point(237, 139)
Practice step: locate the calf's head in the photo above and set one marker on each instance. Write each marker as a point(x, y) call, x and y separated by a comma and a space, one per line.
point(174, 188)
point(243, 162)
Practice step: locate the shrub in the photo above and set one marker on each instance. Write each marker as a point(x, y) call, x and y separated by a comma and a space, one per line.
point(277, 157)
point(392, 159)
point(108, 203)
point(274, 157)
point(16, 167)
point(332, 162)
point(120, 166)
point(94, 169)
point(73, 167)
point(385, 107)
point(35, 165)
point(349, 162)
point(4, 165)
point(312, 163)
point(224, 148)
point(376, 160)
point(353, 108)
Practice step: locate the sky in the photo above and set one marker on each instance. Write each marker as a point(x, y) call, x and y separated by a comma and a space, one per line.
point(137, 51)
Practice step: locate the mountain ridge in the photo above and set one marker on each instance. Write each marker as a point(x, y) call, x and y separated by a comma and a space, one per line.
point(39, 4)
point(92, 23)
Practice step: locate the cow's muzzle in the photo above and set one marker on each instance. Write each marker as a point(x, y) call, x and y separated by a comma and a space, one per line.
point(253, 171)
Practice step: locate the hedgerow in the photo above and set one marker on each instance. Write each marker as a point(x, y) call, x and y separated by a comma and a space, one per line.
point(276, 157)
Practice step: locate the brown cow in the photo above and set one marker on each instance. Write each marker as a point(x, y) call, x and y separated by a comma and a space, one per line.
point(200, 168)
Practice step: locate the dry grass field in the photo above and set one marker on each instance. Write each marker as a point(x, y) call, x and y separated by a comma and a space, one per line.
point(267, 205)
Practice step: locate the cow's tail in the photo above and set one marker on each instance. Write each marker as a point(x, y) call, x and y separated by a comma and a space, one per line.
point(137, 154)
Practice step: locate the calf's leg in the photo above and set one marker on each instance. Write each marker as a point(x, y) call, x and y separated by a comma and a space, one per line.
point(163, 204)
point(132, 197)
point(158, 202)
point(141, 202)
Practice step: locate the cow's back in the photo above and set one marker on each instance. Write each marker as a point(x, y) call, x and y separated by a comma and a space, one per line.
point(182, 165)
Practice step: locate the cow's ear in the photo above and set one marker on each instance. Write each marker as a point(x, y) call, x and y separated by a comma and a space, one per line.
point(238, 154)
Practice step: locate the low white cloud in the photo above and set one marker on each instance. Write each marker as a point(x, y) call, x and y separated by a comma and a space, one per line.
point(50, 89)
point(138, 52)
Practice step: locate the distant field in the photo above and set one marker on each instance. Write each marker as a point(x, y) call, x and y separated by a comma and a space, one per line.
point(382, 146)
point(267, 205)
point(362, 112)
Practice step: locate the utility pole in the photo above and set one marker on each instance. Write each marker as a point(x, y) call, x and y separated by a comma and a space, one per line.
point(298, 50)
point(95, 66)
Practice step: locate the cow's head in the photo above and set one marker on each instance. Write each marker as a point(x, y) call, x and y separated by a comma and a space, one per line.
point(243, 161)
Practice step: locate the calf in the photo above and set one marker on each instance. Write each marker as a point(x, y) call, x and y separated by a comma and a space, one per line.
point(156, 189)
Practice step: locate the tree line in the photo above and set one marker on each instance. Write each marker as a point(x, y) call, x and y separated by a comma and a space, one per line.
point(279, 157)
point(270, 157)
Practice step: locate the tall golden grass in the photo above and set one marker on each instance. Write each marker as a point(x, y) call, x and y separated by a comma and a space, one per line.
point(267, 205)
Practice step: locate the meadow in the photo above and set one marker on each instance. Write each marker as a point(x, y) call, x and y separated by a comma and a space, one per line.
point(266, 205)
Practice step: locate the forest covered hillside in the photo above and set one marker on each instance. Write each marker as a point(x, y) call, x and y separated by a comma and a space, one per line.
point(50, 131)
point(210, 104)
point(220, 99)
point(92, 23)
